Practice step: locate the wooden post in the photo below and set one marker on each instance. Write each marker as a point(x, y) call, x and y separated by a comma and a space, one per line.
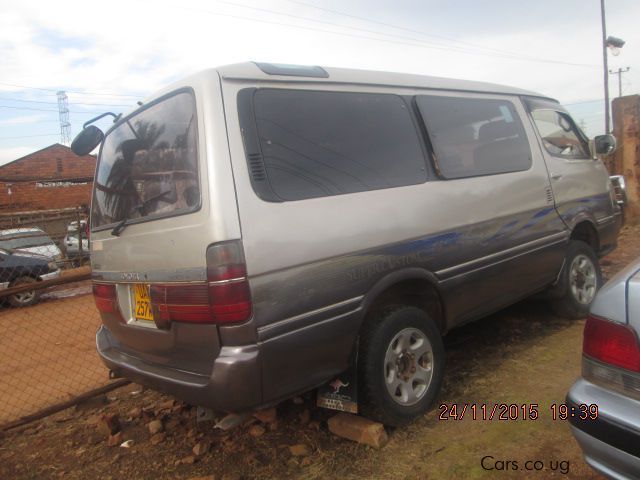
point(626, 128)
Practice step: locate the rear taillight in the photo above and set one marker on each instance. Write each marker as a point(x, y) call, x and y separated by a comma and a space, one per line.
point(225, 298)
point(611, 343)
point(229, 295)
point(106, 298)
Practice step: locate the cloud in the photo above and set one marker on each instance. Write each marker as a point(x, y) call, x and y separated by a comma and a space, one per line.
point(138, 47)
point(22, 120)
point(8, 154)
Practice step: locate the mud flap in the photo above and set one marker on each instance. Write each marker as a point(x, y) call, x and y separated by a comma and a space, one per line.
point(341, 393)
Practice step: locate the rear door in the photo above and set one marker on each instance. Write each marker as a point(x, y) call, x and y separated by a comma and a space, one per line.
point(151, 224)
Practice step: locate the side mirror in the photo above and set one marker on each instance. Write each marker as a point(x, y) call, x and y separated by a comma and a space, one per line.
point(604, 144)
point(88, 139)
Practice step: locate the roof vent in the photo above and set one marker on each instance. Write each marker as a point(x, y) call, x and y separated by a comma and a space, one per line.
point(292, 70)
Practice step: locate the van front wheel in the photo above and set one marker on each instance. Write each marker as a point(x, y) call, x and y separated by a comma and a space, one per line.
point(400, 365)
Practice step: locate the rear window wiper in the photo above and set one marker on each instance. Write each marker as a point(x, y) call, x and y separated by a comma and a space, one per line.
point(117, 230)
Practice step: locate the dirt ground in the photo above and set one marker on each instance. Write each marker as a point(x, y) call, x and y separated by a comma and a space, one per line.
point(47, 351)
point(523, 355)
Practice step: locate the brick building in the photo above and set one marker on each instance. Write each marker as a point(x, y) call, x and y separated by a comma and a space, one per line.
point(51, 178)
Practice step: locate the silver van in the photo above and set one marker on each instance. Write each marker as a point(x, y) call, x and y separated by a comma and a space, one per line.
point(257, 229)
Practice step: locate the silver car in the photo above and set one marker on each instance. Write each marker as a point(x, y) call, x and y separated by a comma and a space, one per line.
point(610, 439)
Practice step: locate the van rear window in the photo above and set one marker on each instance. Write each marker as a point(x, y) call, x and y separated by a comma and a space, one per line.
point(148, 165)
point(474, 136)
point(316, 144)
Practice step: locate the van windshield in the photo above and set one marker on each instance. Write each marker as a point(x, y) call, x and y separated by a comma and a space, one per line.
point(148, 165)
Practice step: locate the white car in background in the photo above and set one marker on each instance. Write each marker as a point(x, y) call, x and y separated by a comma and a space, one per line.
point(71, 242)
point(30, 240)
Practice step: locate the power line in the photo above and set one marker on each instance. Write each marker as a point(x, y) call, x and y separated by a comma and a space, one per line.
point(43, 109)
point(70, 91)
point(581, 102)
point(31, 136)
point(411, 41)
point(55, 103)
point(399, 27)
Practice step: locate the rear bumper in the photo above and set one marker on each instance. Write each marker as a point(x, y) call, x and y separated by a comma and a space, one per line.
point(610, 443)
point(232, 386)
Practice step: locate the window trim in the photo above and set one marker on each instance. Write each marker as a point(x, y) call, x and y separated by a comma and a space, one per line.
point(253, 148)
point(121, 121)
point(434, 155)
point(581, 137)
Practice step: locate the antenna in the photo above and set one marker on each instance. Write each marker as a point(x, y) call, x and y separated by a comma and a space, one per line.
point(63, 113)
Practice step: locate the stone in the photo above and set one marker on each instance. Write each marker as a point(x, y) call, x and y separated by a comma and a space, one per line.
point(358, 429)
point(300, 450)
point(110, 423)
point(132, 388)
point(155, 426)
point(158, 438)
point(172, 424)
point(190, 460)
point(115, 439)
point(256, 431)
point(231, 476)
point(134, 413)
point(268, 415)
point(203, 477)
point(200, 448)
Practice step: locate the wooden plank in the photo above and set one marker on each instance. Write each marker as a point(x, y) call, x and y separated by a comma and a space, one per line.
point(64, 405)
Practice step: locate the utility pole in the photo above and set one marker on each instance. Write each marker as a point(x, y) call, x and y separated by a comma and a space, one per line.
point(619, 72)
point(606, 68)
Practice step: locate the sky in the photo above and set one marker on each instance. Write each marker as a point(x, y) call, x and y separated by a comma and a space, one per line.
point(108, 55)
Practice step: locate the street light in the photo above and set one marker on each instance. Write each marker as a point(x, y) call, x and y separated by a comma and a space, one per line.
point(615, 44)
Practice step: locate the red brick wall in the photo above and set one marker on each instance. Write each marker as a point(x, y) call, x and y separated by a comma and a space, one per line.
point(54, 163)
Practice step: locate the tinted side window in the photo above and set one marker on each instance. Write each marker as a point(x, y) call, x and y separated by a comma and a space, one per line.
point(317, 144)
point(559, 134)
point(472, 137)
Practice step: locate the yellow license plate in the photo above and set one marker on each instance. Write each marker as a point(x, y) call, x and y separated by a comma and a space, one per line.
point(142, 307)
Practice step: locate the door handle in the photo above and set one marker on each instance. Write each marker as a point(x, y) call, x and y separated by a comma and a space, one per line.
point(556, 176)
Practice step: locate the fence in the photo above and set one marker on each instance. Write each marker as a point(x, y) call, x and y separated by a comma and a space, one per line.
point(47, 316)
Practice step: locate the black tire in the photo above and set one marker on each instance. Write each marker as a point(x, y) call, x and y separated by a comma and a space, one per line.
point(374, 398)
point(24, 299)
point(573, 295)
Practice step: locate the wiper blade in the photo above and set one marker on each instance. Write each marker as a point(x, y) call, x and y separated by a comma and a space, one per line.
point(117, 230)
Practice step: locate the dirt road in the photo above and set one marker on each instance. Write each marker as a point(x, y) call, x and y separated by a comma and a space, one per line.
point(521, 356)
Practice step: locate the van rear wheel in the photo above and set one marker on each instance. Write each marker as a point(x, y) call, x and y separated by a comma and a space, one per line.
point(400, 365)
point(579, 281)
